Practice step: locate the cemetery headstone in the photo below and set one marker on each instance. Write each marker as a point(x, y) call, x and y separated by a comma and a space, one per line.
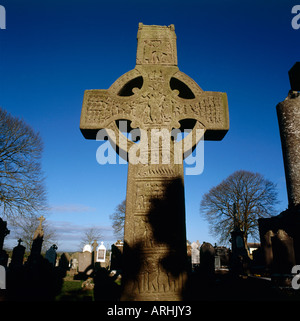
point(266, 241)
point(239, 260)
point(239, 256)
point(64, 264)
point(155, 97)
point(85, 260)
point(74, 264)
point(17, 256)
point(217, 262)
point(195, 254)
point(4, 231)
point(16, 276)
point(283, 253)
point(101, 253)
point(64, 261)
point(87, 248)
point(207, 259)
point(223, 253)
point(116, 255)
point(51, 254)
point(37, 242)
point(41, 282)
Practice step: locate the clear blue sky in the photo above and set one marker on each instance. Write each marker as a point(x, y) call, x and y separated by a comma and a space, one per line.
point(53, 50)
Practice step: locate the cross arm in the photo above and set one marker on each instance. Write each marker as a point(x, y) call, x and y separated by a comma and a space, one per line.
point(94, 112)
point(208, 108)
point(103, 109)
point(100, 109)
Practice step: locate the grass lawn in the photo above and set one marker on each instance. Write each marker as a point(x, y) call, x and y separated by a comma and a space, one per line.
point(73, 291)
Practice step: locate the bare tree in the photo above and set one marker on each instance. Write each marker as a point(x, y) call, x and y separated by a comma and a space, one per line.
point(25, 227)
point(22, 191)
point(244, 195)
point(90, 235)
point(118, 220)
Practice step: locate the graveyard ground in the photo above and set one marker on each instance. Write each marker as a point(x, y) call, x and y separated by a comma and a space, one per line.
point(222, 287)
point(72, 290)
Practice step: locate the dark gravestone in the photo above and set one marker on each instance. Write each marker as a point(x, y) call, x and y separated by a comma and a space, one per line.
point(37, 242)
point(16, 277)
point(207, 259)
point(64, 262)
point(3, 232)
point(283, 258)
point(283, 252)
point(3, 259)
point(116, 256)
point(17, 256)
point(41, 280)
point(267, 249)
point(223, 253)
point(239, 255)
point(195, 255)
point(51, 255)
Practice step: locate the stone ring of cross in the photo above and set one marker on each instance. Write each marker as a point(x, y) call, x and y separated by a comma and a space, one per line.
point(155, 96)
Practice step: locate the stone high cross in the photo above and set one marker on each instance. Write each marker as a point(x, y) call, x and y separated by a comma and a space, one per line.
point(39, 232)
point(155, 97)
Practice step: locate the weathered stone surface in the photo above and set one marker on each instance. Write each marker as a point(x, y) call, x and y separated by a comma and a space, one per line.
point(155, 96)
point(85, 262)
point(283, 252)
point(288, 113)
point(279, 235)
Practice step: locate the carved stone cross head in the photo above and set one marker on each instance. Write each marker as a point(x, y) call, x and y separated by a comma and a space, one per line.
point(39, 232)
point(41, 219)
point(155, 95)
